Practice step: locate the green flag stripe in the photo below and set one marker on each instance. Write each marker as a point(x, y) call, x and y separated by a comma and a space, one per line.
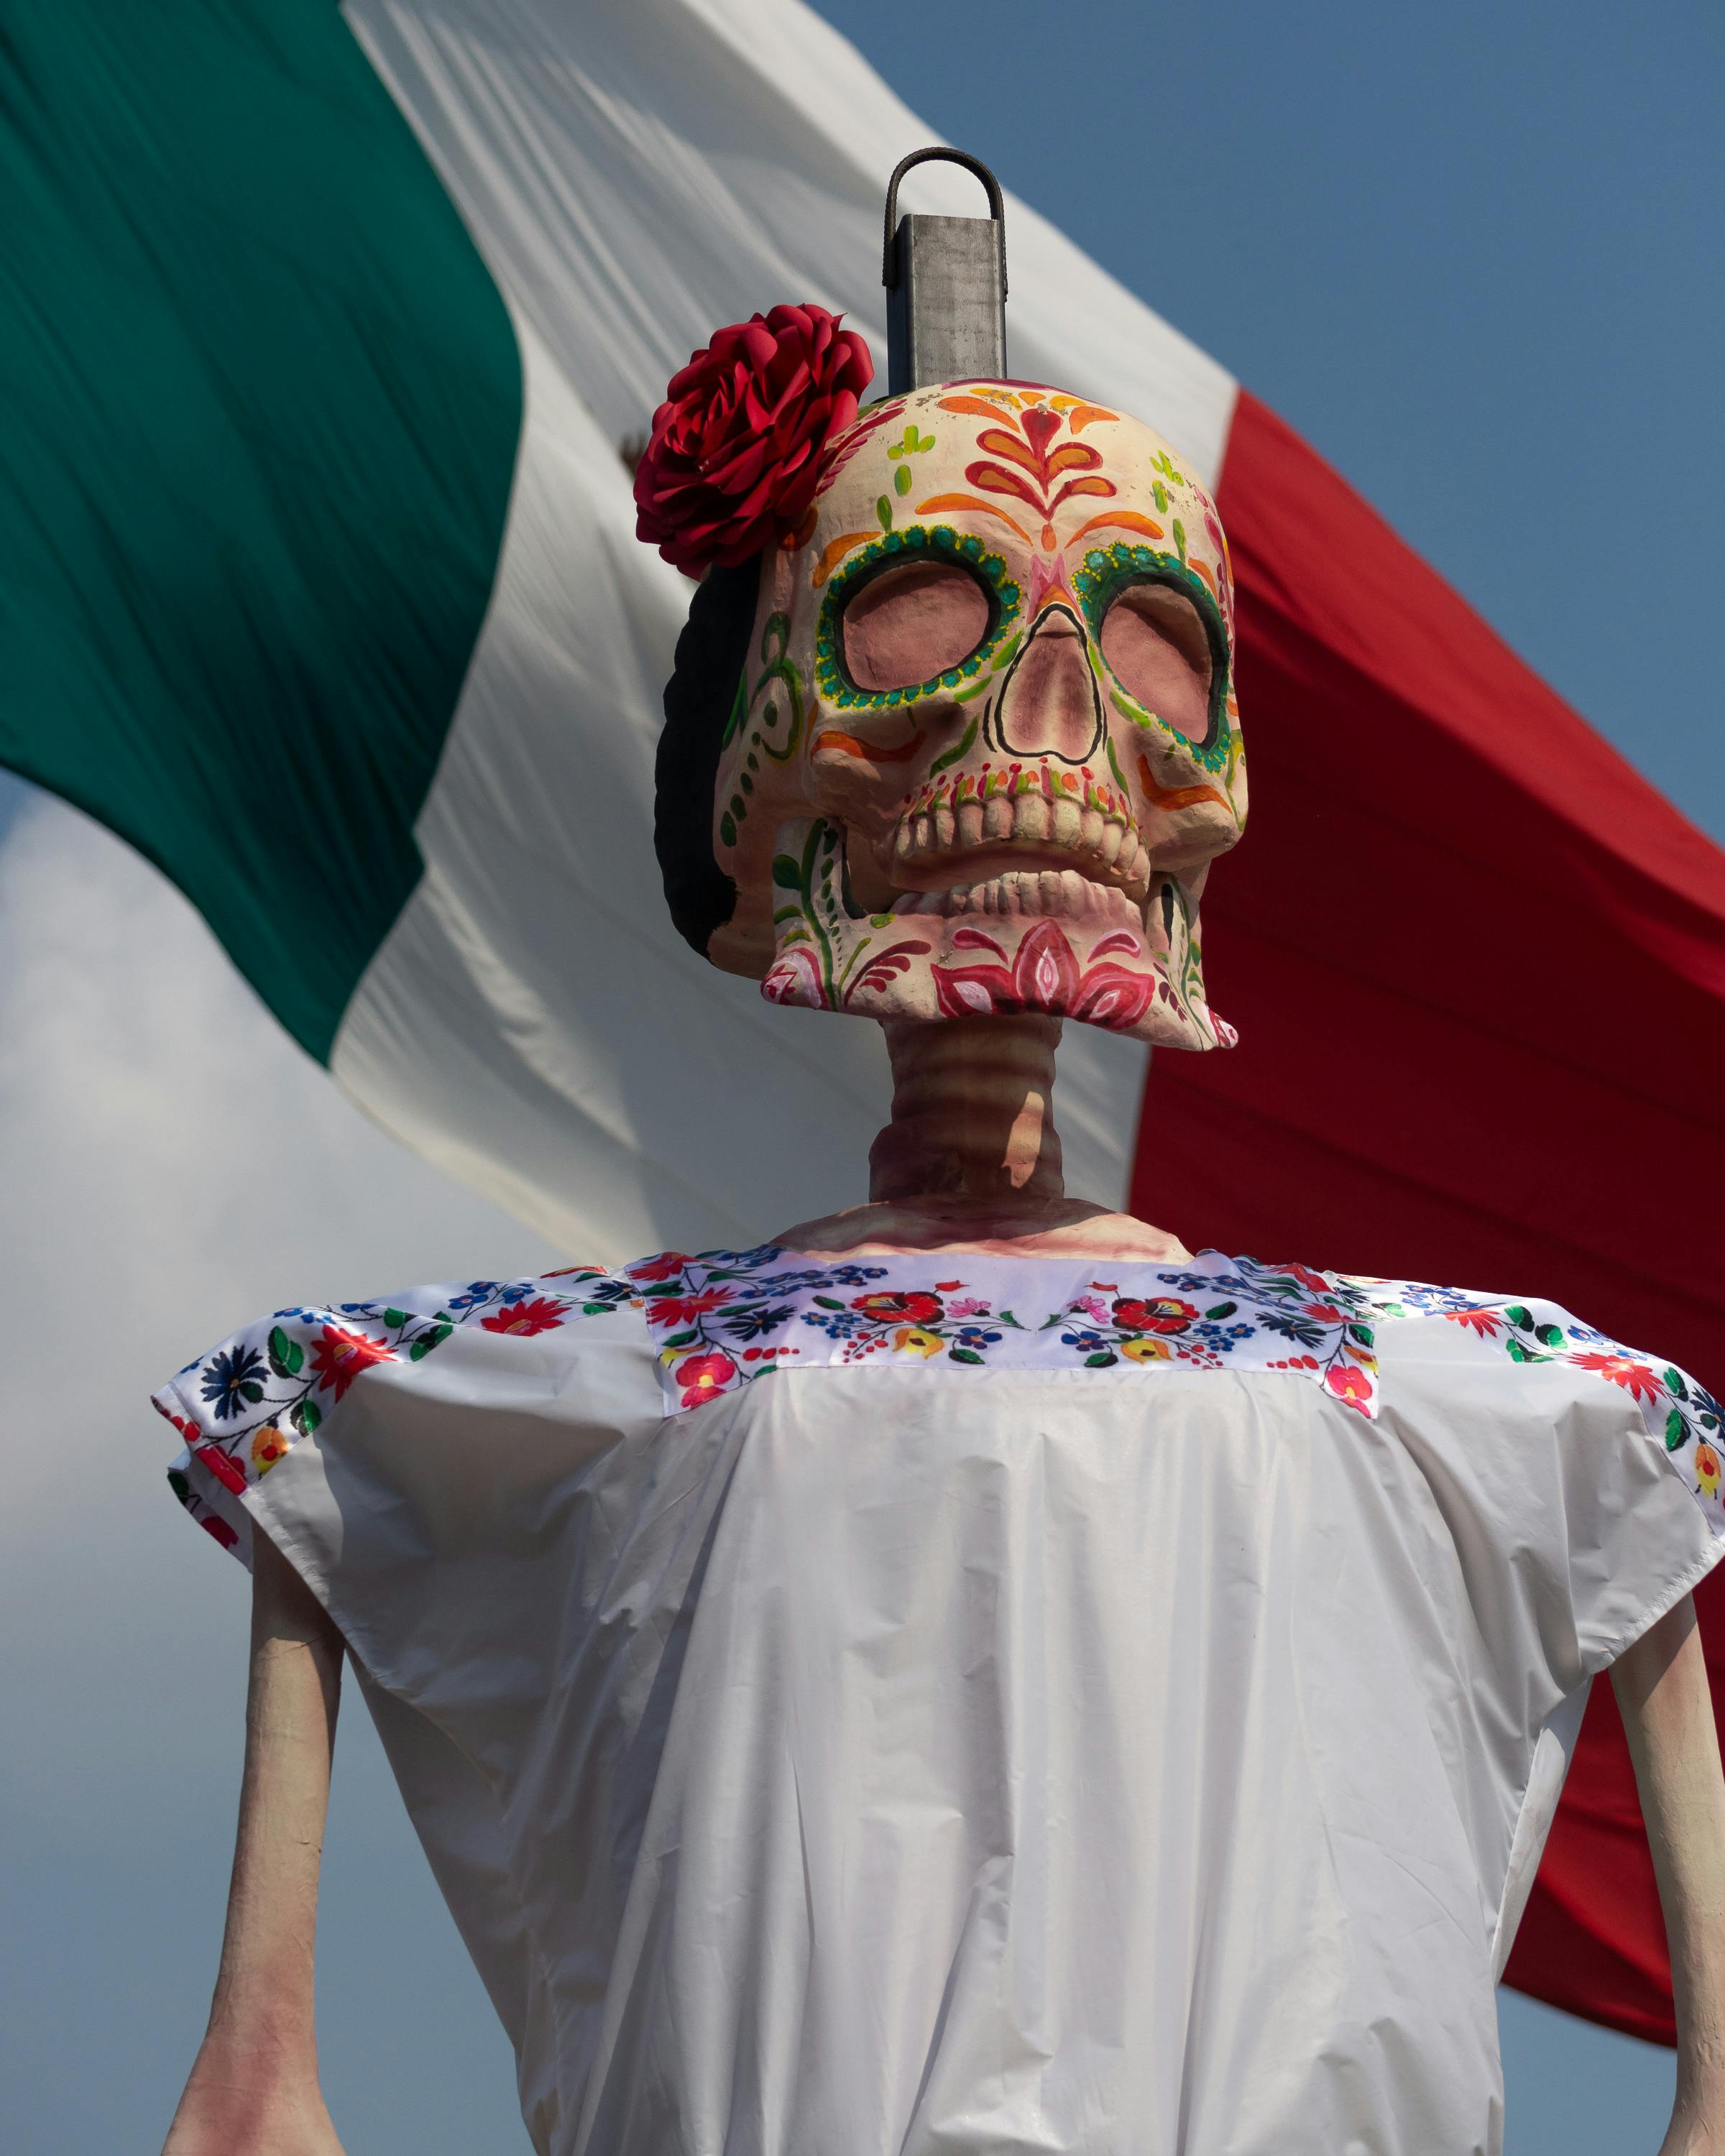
point(262, 402)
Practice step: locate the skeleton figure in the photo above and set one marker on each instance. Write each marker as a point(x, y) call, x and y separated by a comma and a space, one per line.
point(1096, 1699)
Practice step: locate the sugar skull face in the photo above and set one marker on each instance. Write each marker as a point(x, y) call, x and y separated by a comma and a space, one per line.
point(986, 745)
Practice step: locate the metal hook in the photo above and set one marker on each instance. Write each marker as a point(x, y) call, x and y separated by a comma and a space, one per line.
point(997, 205)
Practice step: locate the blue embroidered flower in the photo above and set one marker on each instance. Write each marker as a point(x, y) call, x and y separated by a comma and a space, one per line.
point(1087, 1343)
point(975, 1336)
point(233, 1379)
point(840, 1324)
point(855, 1275)
point(750, 1322)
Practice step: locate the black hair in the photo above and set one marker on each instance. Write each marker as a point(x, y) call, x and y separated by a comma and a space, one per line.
point(711, 654)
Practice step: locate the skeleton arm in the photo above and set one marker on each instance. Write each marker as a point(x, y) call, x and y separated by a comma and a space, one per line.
point(1661, 1686)
point(254, 2090)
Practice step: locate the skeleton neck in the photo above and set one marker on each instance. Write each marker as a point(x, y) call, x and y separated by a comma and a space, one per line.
point(972, 1114)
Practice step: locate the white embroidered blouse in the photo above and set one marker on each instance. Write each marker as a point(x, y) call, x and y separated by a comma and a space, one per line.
point(1094, 1711)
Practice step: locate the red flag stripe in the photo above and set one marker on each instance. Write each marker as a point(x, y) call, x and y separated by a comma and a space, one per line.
point(1478, 966)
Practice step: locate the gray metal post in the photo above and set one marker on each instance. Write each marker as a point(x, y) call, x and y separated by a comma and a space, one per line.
point(946, 287)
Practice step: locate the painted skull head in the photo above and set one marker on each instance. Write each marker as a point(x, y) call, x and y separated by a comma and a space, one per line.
point(985, 745)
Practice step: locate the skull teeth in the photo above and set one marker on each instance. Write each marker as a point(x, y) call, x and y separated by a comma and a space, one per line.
point(938, 837)
point(1066, 894)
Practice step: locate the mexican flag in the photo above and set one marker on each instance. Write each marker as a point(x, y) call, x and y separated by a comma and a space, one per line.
point(327, 338)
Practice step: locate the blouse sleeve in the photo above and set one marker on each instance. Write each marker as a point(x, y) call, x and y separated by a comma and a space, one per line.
point(242, 1408)
point(1580, 1480)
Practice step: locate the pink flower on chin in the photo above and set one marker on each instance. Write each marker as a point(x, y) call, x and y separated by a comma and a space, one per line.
point(541, 1315)
point(1094, 1308)
point(735, 456)
point(1044, 976)
point(704, 1377)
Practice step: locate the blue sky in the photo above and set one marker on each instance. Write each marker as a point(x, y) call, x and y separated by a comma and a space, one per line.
point(1472, 254)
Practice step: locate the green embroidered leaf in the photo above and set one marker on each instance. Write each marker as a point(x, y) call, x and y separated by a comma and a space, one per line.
point(883, 509)
point(251, 1392)
point(786, 873)
point(419, 1351)
point(1222, 1310)
point(1517, 1353)
point(306, 1416)
point(1101, 1360)
point(686, 1339)
point(828, 1302)
point(1675, 1435)
point(901, 479)
point(594, 1309)
point(395, 1319)
point(1519, 1316)
point(180, 1487)
point(1675, 1386)
point(287, 1358)
point(1363, 1333)
point(1549, 1336)
point(964, 1355)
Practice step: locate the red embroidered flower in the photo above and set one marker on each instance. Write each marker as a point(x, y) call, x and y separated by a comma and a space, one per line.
point(1314, 1283)
point(684, 1309)
point(227, 1472)
point(1622, 1370)
point(664, 1268)
point(703, 1377)
point(1326, 1313)
point(1161, 1313)
point(735, 456)
point(914, 1308)
point(1485, 1322)
point(541, 1315)
point(220, 1529)
point(1350, 1384)
point(340, 1355)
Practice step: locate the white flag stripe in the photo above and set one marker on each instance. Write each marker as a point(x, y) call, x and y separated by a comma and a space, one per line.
point(636, 173)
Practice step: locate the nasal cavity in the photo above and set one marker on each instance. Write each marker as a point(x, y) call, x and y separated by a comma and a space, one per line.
point(1049, 705)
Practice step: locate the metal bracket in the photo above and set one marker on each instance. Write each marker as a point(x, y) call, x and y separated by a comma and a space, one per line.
point(946, 286)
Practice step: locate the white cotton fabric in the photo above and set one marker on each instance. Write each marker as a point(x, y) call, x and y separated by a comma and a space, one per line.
point(637, 173)
point(898, 1758)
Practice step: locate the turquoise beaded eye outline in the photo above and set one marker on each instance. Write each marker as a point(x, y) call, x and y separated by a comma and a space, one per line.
point(912, 542)
point(1107, 571)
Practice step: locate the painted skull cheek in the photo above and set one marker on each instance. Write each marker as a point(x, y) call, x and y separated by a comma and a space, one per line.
point(913, 623)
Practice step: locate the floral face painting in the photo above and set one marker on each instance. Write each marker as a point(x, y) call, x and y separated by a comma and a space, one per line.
point(985, 743)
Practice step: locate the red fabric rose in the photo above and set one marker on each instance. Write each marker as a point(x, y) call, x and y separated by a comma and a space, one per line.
point(735, 456)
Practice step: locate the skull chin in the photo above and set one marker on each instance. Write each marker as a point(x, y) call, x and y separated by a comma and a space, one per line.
point(1055, 912)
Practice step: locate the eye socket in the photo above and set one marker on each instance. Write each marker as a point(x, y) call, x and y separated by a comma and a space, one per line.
point(1155, 640)
point(912, 622)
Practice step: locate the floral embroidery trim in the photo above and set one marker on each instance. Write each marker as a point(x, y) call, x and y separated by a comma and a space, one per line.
point(727, 1317)
point(1675, 1409)
point(258, 1392)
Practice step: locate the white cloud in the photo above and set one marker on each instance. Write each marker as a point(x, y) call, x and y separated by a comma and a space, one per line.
point(172, 1165)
